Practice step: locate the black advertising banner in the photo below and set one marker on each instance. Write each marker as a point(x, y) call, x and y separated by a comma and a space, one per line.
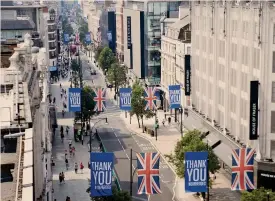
point(266, 179)
point(253, 120)
point(129, 33)
point(187, 76)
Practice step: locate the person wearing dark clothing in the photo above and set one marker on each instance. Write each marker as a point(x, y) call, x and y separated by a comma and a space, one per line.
point(60, 178)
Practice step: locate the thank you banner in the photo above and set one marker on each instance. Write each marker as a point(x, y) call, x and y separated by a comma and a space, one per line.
point(88, 38)
point(174, 96)
point(125, 98)
point(74, 99)
point(196, 171)
point(66, 38)
point(102, 165)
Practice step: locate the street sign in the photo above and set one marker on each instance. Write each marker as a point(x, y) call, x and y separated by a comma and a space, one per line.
point(74, 99)
point(102, 165)
point(125, 98)
point(174, 96)
point(196, 171)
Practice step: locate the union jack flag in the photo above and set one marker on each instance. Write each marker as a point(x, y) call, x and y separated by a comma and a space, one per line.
point(242, 169)
point(148, 173)
point(100, 100)
point(150, 98)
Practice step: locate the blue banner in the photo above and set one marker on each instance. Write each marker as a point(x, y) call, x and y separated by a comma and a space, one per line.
point(125, 98)
point(174, 96)
point(196, 171)
point(102, 165)
point(66, 38)
point(74, 99)
point(88, 38)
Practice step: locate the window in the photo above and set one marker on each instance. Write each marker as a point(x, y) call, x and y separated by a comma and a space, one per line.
point(256, 58)
point(273, 62)
point(222, 48)
point(233, 103)
point(273, 33)
point(273, 92)
point(272, 121)
point(233, 77)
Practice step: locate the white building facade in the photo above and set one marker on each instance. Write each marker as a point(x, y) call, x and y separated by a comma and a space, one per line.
point(173, 51)
point(233, 44)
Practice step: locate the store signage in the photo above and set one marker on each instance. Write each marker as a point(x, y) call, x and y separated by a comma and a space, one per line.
point(253, 120)
point(196, 171)
point(129, 33)
point(187, 76)
point(266, 179)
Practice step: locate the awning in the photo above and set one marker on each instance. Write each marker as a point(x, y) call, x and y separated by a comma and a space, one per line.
point(52, 68)
point(223, 150)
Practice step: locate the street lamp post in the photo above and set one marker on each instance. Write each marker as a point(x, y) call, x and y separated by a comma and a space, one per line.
point(181, 129)
point(156, 125)
point(268, 196)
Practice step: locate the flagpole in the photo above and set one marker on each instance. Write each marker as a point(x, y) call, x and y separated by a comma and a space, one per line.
point(131, 174)
point(208, 178)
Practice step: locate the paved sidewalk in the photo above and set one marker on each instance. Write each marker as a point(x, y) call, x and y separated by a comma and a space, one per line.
point(75, 184)
point(167, 139)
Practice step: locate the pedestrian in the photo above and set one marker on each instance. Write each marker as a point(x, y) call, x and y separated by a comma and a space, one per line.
point(73, 150)
point(169, 120)
point(63, 113)
point(53, 100)
point(70, 143)
point(81, 167)
point(163, 122)
point(67, 130)
point(68, 198)
point(60, 86)
point(63, 177)
point(75, 168)
point(62, 137)
point(60, 178)
point(61, 129)
point(89, 165)
point(67, 163)
point(61, 94)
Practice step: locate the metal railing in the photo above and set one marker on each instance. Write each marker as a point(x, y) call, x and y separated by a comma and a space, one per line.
point(18, 193)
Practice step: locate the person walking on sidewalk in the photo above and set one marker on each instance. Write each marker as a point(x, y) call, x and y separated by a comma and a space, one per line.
point(63, 177)
point(62, 137)
point(67, 163)
point(81, 167)
point(75, 168)
point(60, 178)
point(163, 122)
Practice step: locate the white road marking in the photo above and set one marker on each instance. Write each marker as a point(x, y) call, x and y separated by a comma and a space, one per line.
point(174, 191)
point(121, 145)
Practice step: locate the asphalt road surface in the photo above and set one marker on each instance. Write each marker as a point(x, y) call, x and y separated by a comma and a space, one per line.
point(119, 140)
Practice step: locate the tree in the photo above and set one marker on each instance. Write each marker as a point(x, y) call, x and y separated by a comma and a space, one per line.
point(138, 104)
point(260, 194)
point(191, 141)
point(97, 52)
point(75, 66)
point(117, 196)
point(83, 30)
point(117, 75)
point(88, 104)
point(106, 58)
